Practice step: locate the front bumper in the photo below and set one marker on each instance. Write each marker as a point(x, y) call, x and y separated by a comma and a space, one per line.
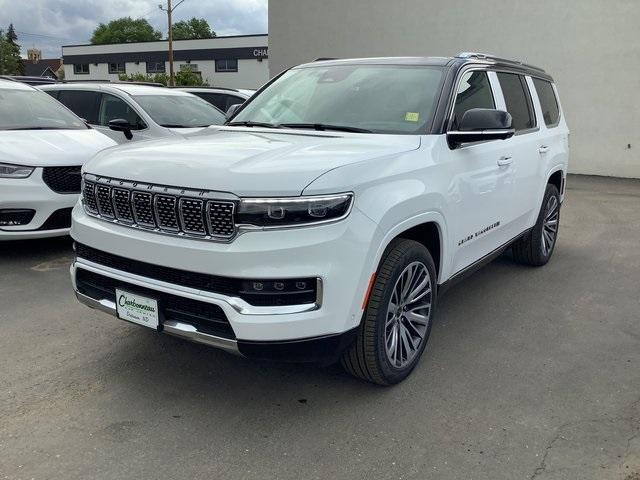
point(338, 254)
point(32, 193)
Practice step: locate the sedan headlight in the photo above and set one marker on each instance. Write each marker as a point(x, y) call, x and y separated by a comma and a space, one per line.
point(293, 212)
point(14, 171)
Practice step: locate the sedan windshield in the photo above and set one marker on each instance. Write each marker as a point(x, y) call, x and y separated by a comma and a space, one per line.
point(34, 110)
point(357, 98)
point(180, 111)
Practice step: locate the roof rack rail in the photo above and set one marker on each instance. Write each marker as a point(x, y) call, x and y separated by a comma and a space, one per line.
point(212, 87)
point(115, 82)
point(324, 59)
point(496, 59)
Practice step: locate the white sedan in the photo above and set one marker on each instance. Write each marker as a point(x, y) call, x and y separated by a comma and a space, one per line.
point(42, 148)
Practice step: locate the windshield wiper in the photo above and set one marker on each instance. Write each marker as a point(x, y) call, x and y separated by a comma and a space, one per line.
point(325, 126)
point(42, 128)
point(253, 124)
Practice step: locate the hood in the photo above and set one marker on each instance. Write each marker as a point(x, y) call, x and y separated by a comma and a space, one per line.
point(44, 148)
point(245, 161)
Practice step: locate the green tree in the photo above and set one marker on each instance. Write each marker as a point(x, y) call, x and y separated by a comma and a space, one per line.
point(10, 59)
point(192, 29)
point(187, 78)
point(125, 30)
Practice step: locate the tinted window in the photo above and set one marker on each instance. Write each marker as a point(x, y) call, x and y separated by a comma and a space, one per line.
point(117, 68)
point(474, 91)
point(214, 99)
point(220, 100)
point(81, 68)
point(380, 98)
point(180, 111)
point(517, 99)
point(230, 65)
point(112, 107)
point(85, 104)
point(548, 101)
point(34, 110)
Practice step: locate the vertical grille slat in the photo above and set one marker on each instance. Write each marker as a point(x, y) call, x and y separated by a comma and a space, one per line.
point(166, 209)
point(122, 205)
point(220, 218)
point(192, 216)
point(142, 203)
point(166, 212)
point(105, 207)
point(89, 196)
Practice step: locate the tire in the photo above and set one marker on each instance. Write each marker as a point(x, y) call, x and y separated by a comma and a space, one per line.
point(372, 357)
point(536, 248)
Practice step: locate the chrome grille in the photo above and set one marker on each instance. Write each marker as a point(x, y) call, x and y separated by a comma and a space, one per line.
point(105, 207)
point(166, 212)
point(89, 196)
point(153, 207)
point(191, 211)
point(122, 204)
point(142, 203)
point(220, 218)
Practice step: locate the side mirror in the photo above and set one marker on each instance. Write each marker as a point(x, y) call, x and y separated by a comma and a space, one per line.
point(480, 124)
point(121, 125)
point(232, 110)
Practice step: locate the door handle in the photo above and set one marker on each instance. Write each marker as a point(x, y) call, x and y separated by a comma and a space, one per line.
point(504, 161)
point(543, 149)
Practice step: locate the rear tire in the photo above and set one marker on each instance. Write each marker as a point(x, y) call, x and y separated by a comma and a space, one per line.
point(396, 324)
point(537, 246)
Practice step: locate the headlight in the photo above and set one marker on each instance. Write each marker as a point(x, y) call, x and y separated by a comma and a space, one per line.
point(14, 171)
point(293, 212)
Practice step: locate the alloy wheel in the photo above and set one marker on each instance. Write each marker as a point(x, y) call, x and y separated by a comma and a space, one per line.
point(408, 314)
point(550, 224)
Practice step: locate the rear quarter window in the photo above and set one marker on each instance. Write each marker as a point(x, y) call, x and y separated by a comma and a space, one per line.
point(518, 101)
point(548, 102)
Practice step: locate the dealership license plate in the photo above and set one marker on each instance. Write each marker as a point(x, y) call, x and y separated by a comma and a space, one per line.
point(137, 309)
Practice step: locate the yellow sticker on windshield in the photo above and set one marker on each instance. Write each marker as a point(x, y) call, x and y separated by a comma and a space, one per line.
point(411, 117)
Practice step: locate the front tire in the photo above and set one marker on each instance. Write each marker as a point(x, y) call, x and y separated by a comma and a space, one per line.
point(537, 246)
point(396, 324)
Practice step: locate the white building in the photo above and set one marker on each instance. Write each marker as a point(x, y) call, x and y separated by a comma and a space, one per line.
point(590, 47)
point(239, 61)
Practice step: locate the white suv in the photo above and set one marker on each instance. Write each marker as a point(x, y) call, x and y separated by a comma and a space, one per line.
point(128, 111)
point(325, 219)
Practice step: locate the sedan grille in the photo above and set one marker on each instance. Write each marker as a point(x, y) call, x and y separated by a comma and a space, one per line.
point(170, 210)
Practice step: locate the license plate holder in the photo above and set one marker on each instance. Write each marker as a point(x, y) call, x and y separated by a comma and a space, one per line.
point(136, 308)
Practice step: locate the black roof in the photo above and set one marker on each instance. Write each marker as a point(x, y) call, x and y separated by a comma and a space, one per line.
point(457, 62)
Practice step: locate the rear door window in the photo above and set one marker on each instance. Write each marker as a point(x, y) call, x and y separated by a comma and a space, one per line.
point(474, 91)
point(548, 102)
point(112, 107)
point(518, 101)
point(83, 103)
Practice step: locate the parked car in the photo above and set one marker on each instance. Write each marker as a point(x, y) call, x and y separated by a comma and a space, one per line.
point(330, 213)
point(222, 98)
point(29, 80)
point(136, 112)
point(42, 147)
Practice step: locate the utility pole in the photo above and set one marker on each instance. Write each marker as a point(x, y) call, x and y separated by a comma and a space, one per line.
point(169, 9)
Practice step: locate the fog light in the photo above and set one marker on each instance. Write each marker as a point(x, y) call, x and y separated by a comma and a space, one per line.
point(14, 217)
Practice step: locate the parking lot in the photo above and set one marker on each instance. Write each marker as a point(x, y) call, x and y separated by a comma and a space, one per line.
point(530, 373)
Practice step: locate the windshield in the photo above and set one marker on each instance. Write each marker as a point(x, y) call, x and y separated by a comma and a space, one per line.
point(368, 98)
point(180, 111)
point(34, 110)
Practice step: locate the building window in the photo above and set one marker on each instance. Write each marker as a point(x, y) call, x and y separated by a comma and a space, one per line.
point(189, 67)
point(118, 67)
point(156, 67)
point(230, 65)
point(81, 68)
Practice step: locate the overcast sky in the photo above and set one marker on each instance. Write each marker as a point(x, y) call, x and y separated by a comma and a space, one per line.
point(48, 24)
